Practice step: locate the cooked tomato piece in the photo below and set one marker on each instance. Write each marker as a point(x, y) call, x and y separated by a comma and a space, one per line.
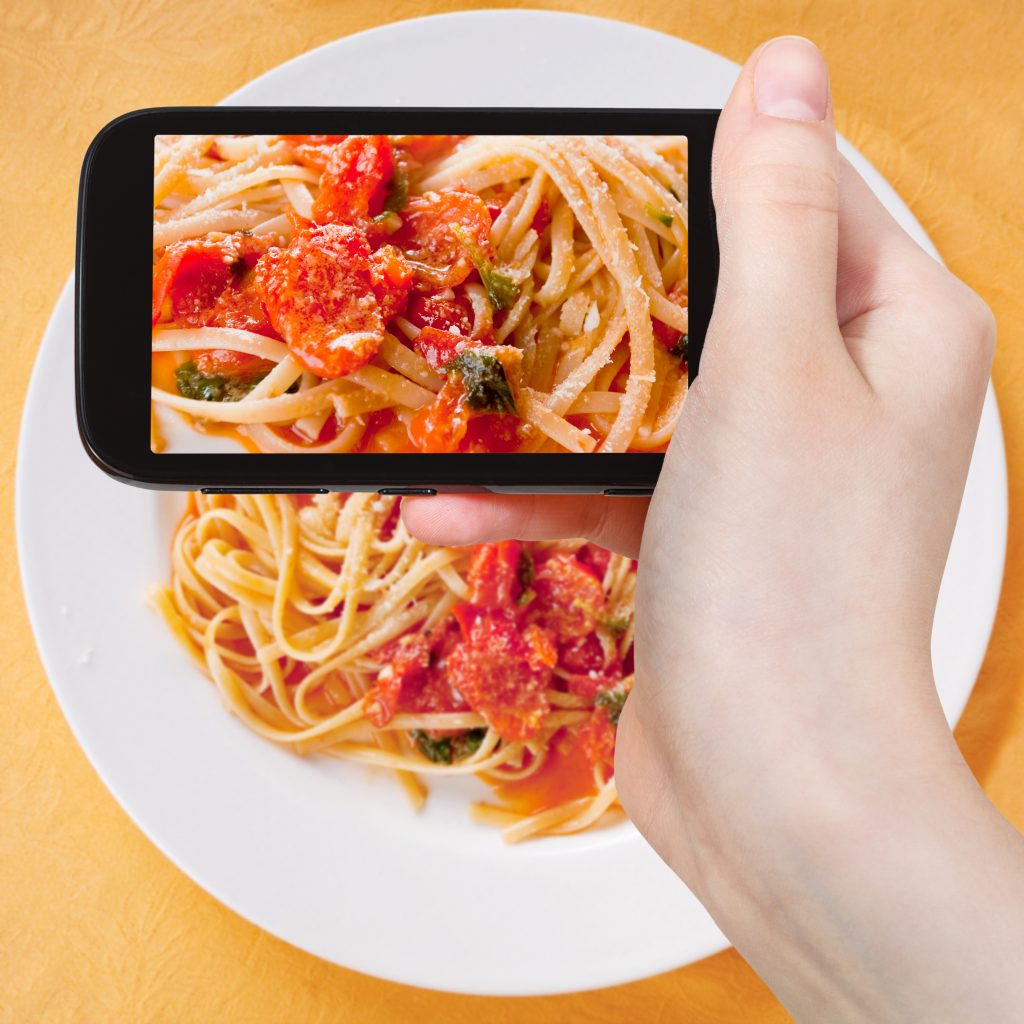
point(447, 425)
point(426, 235)
point(669, 336)
point(584, 655)
point(392, 280)
point(594, 558)
point(298, 222)
point(493, 574)
point(493, 432)
point(328, 432)
point(597, 737)
point(314, 150)
point(499, 197)
point(319, 293)
point(439, 348)
point(314, 140)
point(437, 695)
point(193, 275)
point(383, 433)
point(414, 677)
point(589, 685)
point(503, 673)
point(406, 660)
point(542, 218)
point(628, 662)
point(568, 597)
point(466, 615)
point(238, 306)
point(355, 182)
point(248, 249)
point(441, 425)
point(226, 362)
point(441, 314)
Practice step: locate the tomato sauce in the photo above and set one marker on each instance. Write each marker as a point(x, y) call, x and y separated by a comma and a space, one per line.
point(164, 365)
point(567, 774)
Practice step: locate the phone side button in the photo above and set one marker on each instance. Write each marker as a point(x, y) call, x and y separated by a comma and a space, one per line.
point(390, 492)
point(629, 492)
point(263, 490)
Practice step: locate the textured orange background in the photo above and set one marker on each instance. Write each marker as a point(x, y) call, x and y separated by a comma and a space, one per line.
point(95, 924)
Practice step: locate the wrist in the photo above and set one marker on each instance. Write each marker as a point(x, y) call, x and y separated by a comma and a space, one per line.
point(816, 764)
point(865, 884)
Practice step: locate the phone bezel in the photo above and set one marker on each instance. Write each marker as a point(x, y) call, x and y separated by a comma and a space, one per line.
point(114, 273)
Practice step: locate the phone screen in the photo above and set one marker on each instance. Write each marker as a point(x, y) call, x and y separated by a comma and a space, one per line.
point(419, 293)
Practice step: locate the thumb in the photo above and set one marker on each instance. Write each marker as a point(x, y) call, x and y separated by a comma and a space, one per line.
point(775, 174)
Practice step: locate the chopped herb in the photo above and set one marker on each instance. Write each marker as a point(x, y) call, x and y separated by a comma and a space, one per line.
point(398, 195)
point(613, 702)
point(215, 387)
point(388, 220)
point(525, 573)
point(483, 378)
point(679, 350)
point(446, 749)
point(526, 570)
point(467, 743)
point(501, 289)
point(439, 751)
point(615, 624)
point(658, 214)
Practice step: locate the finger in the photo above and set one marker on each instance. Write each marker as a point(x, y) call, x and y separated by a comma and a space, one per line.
point(775, 186)
point(460, 519)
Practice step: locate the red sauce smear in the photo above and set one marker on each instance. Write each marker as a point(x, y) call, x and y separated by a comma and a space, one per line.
point(566, 774)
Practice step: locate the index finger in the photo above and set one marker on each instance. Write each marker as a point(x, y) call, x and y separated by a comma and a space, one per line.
point(461, 519)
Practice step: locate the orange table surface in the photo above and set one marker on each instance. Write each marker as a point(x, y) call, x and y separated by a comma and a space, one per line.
point(95, 925)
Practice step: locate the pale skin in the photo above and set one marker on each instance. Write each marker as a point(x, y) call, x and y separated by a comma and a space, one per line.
point(784, 749)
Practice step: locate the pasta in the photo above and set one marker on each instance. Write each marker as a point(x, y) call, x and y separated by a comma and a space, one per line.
point(328, 629)
point(422, 293)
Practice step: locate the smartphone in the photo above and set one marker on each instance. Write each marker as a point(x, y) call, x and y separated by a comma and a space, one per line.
point(402, 300)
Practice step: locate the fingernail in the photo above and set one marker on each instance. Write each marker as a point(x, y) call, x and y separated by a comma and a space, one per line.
point(791, 80)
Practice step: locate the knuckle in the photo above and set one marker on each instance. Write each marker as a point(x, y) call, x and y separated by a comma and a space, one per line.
point(595, 518)
point(982, 326)
point(952, 333)
point(782, 184)
point(969, 326)
point(953, 325)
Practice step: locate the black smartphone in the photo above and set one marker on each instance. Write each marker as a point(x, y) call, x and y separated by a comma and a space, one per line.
point(403, 300)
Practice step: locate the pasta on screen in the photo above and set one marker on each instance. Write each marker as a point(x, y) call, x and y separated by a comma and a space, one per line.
point(327, 629)
point(422, 293)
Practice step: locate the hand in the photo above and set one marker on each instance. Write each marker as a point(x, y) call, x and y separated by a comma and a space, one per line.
point(784, 748)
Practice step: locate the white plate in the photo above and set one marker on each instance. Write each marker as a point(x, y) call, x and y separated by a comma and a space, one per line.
point(328, 856)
